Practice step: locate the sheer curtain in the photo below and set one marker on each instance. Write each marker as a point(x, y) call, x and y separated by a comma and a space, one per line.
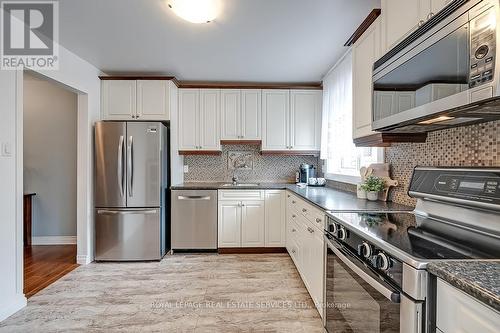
point(337, 148)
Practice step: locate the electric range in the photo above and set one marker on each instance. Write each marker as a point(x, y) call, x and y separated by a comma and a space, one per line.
point(380, 258)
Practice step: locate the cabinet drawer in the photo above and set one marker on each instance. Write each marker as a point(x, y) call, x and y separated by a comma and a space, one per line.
point(316, 217)
point(459, 312)
point(241, 195)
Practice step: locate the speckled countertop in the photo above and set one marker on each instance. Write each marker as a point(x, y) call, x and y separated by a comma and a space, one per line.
point(478, 278)
point(325, 198)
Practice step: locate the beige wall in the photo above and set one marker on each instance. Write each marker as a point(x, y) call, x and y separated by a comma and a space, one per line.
point(50, 155)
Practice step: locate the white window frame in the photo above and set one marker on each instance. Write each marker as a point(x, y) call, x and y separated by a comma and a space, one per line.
point(339, 177)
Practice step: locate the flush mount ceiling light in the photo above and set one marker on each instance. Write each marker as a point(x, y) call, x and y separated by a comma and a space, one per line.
point(195, 11)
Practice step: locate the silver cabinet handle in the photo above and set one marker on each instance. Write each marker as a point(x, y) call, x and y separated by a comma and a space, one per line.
point(293, 201)
point(293, 230)
point(420, 23)
point(311, 230)
point(125, 212)
point(318, 220)
point(193, 197)
point(430, 15)
point(130, 165)
point(304, 210)
point(120, 165)
point(294, 216)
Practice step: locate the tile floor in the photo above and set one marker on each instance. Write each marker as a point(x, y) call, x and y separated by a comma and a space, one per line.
point(182, 293)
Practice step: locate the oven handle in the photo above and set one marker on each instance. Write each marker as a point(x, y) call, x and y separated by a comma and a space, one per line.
point(392, 295)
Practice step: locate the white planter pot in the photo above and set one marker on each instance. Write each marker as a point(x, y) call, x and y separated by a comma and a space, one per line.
point(372, 196)
point(360, 192)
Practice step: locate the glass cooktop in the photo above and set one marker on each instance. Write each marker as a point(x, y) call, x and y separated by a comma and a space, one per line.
point(418, 236)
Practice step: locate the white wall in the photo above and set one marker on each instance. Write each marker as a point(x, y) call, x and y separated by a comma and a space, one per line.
point(49, 135)
point(82, 77)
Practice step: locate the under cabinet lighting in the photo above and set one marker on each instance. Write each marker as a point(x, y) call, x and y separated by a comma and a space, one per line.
point(195, 11)
point(436, 120)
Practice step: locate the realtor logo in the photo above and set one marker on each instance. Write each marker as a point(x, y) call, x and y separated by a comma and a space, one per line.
point(29, 34)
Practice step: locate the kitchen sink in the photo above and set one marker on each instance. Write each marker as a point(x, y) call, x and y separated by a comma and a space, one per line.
point(240, 185)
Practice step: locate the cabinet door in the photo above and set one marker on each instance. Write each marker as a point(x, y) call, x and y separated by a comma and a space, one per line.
point(251, 114)
point(252, 224)
point(189, 109)
point(305, 119)
point(275, 228)
point(231, 114)
point(317, 268)
point(118, 100)
point(275, 119)
point(153, 100)
point(364, 54)
point(210, 119)
point(400, 18)
point(229, 229)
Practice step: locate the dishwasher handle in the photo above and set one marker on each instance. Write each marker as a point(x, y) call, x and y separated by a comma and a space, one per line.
point(193, 197)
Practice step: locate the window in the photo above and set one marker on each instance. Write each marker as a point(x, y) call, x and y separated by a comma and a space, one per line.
point(343, 158)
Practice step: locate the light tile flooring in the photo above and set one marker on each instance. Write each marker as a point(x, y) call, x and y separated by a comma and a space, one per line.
point(182, 293)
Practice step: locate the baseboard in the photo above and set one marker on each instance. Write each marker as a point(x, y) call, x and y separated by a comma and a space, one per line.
point(53, 240)
point(10, 307)
point(82, 259)
point(251, 250)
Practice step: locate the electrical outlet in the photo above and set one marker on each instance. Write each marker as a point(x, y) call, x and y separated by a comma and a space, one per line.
point(186, 168)
point(6, 149)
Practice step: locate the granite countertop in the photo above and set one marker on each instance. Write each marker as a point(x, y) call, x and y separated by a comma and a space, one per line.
point(478, 278)
point(325, 198)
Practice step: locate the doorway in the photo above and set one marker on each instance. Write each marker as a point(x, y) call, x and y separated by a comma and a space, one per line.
point(50, 118)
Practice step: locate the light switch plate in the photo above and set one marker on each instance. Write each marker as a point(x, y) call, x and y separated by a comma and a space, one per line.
point(6, 149)
point(186, 168)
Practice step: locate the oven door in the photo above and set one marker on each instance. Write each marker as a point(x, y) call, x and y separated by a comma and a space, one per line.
point(357, 300)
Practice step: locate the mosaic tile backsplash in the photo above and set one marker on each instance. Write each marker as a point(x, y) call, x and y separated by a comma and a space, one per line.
point(265, 168)
point(476, 145)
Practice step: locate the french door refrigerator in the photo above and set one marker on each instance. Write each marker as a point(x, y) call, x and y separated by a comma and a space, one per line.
point(131, 191)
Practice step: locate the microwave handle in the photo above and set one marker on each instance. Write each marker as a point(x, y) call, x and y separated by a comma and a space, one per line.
point(392, 295)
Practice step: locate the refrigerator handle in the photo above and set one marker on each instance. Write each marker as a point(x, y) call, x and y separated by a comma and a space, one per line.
point(130, 165)
point(120, 165)
point(126, 212)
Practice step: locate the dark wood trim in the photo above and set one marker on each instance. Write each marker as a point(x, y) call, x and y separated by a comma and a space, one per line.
point(250, 85)
point(200, 152)
point(314, 153)
point(27, 218)
point(251, 250)
point(386, 139)
point(136, 77)
point(363, 26)
point(241, 142)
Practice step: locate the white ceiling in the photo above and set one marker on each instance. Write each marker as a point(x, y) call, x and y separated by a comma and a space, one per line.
point(252, 40)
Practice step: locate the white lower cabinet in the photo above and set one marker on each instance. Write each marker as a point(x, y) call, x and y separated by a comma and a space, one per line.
point(457, 312)
point(275, 232)
point(252, 224)
point(305, 244)
point(229, 224)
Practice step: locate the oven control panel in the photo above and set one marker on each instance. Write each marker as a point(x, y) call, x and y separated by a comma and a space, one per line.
point(482, 48)
point(476, 187)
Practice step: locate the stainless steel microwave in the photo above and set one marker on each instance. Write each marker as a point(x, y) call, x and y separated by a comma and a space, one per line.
point(444, 74)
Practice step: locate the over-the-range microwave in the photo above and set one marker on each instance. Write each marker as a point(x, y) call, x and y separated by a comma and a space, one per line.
point(444, 74)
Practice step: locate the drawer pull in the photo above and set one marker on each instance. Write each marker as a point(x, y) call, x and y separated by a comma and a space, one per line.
point(293, 251)
point(288, 195)
point(293, 230)
point(311, 230)
point(304, 210)
point(293, 201)
point(294, 216)
point(318, 220)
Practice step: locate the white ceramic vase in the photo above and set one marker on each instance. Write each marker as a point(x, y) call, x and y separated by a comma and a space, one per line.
point(372, 196)
point(360, 192)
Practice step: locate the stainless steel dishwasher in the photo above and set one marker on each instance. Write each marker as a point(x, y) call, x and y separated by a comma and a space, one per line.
point(194, 220)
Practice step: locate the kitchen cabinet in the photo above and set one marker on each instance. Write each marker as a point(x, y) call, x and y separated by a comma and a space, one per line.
point(401, 17)
point(305, 244)
point(275, 228)
point(457, 312)
point(136, 99)
point(241, 221)
point(291, 120)
point(364, 53)
point(199, 116)
point(241, 114)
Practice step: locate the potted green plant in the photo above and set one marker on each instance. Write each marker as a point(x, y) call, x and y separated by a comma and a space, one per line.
point(373, 185)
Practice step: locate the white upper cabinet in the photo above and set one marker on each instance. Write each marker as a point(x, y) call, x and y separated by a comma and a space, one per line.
point(210, 119)
point(251, 114)
point(291, 119)
point(231, 114)
point(136, 99)
point(153, 99)
point(275, 119)
point(118, 99)
point(241, 114)
point(364, 53)
point(199, 118)
point(305, 119)
point(401, 17)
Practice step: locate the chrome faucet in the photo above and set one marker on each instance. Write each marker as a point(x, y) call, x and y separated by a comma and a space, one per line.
point(235, 179)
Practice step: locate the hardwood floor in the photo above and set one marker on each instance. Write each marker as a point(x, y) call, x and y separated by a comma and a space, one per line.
point(44, 264)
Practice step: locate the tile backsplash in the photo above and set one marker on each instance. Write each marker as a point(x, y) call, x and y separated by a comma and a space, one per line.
point(475, 145)
point(264, 168)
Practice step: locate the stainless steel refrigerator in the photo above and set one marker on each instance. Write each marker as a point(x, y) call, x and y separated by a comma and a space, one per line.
point(131, 191)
